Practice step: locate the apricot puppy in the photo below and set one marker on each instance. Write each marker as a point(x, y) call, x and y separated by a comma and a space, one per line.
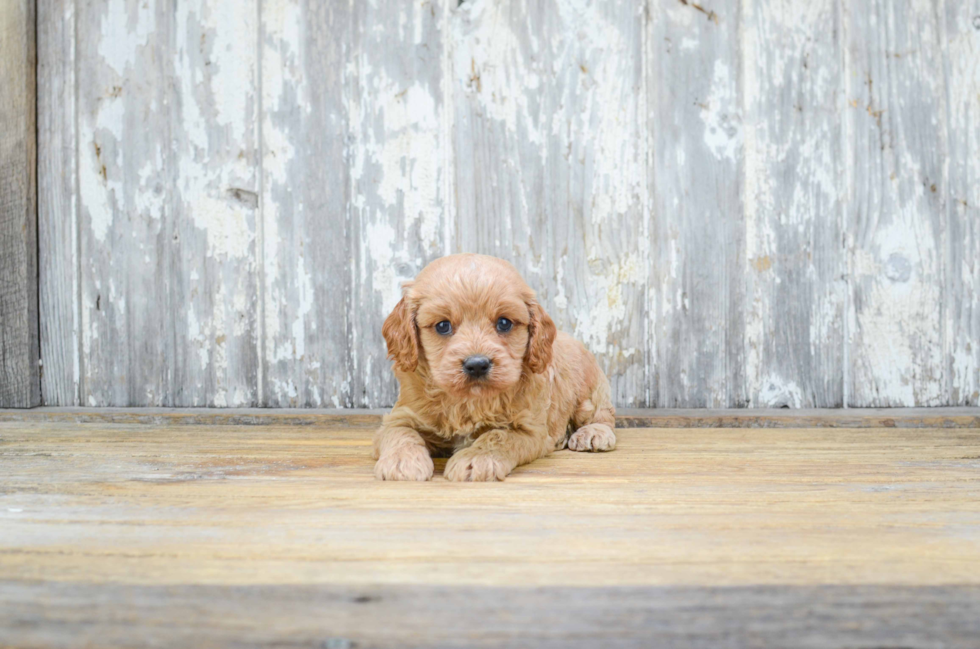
point(484, 377)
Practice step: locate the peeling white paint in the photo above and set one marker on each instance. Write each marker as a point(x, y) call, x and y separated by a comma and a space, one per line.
point(228, 229)
point(488, 65)
point(407, 153)
point(99, 184)
point(900, 169)
point(560, 300)
point(305, 306)
point(380, 243)
point(215, 133)
point(962, 331)
point(722, 124)
point(607, 308)
point(199, 338)
point(776, 392)
point(125, 28)
point(565, 105)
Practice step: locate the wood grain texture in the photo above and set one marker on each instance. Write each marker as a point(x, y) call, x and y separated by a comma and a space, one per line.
point(57, 209)
point(550, 164)
point(305, 201)
point(961, 49)
point(696, 151)
point(20, 384)
point(386, 617)
point(210, 505)
point(896, 124)
point(793, 529)
point(794, 264)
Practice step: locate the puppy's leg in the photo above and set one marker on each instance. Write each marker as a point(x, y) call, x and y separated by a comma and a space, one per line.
point(594, 420)
point(401, 454)
point(495, 454)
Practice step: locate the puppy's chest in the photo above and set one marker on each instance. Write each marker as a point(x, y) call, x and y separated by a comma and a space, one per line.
point(463, 429)
point(460, 442)
point(451, 441)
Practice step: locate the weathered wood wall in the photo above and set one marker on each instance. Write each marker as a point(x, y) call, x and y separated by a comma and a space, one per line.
point(20, 382)
point(733, 203)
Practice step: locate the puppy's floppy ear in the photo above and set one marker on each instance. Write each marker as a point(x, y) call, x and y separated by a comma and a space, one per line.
point(402, 337)
point(540, 337)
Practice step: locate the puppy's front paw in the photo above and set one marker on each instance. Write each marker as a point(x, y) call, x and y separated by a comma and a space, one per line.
point(405, 463)
point(472, 465)
point(594, 437)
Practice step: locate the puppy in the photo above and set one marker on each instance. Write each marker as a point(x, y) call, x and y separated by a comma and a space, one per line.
point(484, 377)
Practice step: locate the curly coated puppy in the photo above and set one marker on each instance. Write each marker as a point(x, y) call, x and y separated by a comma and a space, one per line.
point(485, 378)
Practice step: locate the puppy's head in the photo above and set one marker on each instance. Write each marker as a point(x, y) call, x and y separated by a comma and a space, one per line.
point(473, 323)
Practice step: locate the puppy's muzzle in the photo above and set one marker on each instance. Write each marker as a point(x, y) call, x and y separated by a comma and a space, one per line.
point(476, 367)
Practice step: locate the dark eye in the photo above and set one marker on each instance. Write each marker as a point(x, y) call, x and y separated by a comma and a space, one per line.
point(444, 328)
point(504, 325)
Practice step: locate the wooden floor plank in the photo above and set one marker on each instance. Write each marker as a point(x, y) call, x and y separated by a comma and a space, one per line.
point(391, 617)
point(275, 534)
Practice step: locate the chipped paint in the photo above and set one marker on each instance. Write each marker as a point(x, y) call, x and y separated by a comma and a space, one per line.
point(795, 300)
point(100, 187)
point(779, 393)
point(215, 136)
point(380, 244)
point(693, 198)
point(607, 309)
point(719, 112)
point(962, 330)
point(401, 183)
point(407, 157)
point(125, 27)
point(488, 65)
point(900, 170)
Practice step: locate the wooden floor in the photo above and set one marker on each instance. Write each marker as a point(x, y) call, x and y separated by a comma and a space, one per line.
point(277, 535)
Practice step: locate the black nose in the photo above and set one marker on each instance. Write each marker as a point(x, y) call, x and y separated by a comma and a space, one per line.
point(476, 366)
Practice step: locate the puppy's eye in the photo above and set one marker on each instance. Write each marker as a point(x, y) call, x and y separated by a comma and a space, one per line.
point(444, 328)
point(504, 325)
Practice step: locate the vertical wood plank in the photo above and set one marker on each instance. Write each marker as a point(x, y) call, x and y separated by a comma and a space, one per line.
point(962, 60)
point(57, 201)
point(795, 263)
point(214, 137)
point(695, 127)
point(305, 195)
point(399, 207)
point(20, 385)
point(126, 188)
point(896, 121)
point(550, 158)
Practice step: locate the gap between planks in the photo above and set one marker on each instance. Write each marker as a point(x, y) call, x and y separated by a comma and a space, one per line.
point(964, 417)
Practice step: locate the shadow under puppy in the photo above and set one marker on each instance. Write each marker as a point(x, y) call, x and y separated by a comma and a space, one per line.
point(485, 379)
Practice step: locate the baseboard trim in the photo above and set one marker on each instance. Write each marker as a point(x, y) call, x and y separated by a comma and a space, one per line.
point(625, 418)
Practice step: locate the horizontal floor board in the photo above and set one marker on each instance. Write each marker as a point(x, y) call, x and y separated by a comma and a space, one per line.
point(390, 617)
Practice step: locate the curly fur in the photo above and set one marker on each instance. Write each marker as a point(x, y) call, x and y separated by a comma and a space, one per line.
point(543, 384)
